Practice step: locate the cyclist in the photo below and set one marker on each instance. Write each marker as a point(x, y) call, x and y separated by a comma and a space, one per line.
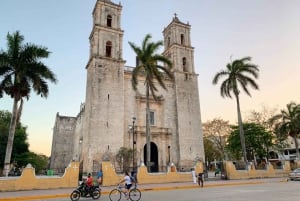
point(128, 184)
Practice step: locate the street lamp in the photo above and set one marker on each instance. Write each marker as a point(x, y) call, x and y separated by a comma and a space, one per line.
point(80, 148)
point(169, 153)
point(133, 142)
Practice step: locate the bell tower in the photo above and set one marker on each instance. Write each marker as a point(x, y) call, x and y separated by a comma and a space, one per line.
point(188, 138)
point(104, 108)
point(177, 42)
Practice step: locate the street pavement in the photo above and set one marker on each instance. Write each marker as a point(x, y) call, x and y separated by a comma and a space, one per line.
point(65, 192)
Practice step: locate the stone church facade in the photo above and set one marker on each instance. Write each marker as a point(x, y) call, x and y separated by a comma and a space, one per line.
point(105, 121)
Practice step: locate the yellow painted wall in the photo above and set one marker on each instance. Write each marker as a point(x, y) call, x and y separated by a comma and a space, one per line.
point(251, 173)
point(298, 164)
point(28, 180)
point(111, 178)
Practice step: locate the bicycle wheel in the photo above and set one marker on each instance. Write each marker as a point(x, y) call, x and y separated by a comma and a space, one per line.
point(135, 194)
point(115, 195)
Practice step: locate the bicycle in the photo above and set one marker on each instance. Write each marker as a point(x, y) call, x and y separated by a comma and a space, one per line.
point(116, 194)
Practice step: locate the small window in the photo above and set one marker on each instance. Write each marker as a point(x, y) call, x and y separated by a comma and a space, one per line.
point(169, 41)
point(184, 66)
point(182, 39)
point(108, 48)
point(109, 20)
point(152, 120)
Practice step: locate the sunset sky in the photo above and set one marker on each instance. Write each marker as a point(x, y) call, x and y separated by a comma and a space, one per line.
point(266, 30)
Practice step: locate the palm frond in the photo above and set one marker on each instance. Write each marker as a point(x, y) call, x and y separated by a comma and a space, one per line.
point(22, 68)
point(239, 74)
point(149, 60)
point(219, 75)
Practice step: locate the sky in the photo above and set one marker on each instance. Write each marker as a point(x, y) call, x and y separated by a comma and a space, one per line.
point(221, 31)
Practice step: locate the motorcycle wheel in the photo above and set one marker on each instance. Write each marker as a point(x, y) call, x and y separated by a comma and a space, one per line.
point(75, 195)
point(96, 194)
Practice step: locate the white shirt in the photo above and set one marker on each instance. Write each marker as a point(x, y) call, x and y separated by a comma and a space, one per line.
point(127, 179)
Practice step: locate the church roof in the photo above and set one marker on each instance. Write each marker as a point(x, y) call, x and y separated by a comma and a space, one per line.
point(176, 19)
point(110, 2)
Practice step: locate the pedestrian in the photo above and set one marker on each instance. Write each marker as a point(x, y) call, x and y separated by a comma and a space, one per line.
point(200, 179)
point(217, 171)
point(194, 175)
point(100, 176)
point(133, 177)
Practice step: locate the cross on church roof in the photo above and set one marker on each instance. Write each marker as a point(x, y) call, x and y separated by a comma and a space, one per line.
point(175, 17)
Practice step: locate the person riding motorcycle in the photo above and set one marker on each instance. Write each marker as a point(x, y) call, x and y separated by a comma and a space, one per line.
point(89, 183)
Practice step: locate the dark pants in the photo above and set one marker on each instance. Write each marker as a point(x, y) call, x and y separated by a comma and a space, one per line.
point(87, 189)
point(200, 182)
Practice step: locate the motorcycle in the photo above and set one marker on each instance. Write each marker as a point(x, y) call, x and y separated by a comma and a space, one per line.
point(82, 191)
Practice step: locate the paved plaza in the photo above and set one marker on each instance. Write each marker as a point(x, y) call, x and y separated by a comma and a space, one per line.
point(275, 189)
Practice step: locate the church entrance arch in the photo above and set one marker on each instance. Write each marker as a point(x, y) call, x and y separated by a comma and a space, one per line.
point(153, 157)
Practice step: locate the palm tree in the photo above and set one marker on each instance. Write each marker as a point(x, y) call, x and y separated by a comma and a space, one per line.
point(148, 66)
point(288, 123)
point(21, 71)
point(238, 74)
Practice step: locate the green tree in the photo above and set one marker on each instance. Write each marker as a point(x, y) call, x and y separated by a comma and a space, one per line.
point(262, 117)
point(217, 131)
point(21, 71)
point(21, 155)
point(238, 74)
point(257, 141)
point(287, 122)
point(124, 158)
point(149, 68)
point(20, 144)
point(38, 161)
point(211, 152)
point(4, 125)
